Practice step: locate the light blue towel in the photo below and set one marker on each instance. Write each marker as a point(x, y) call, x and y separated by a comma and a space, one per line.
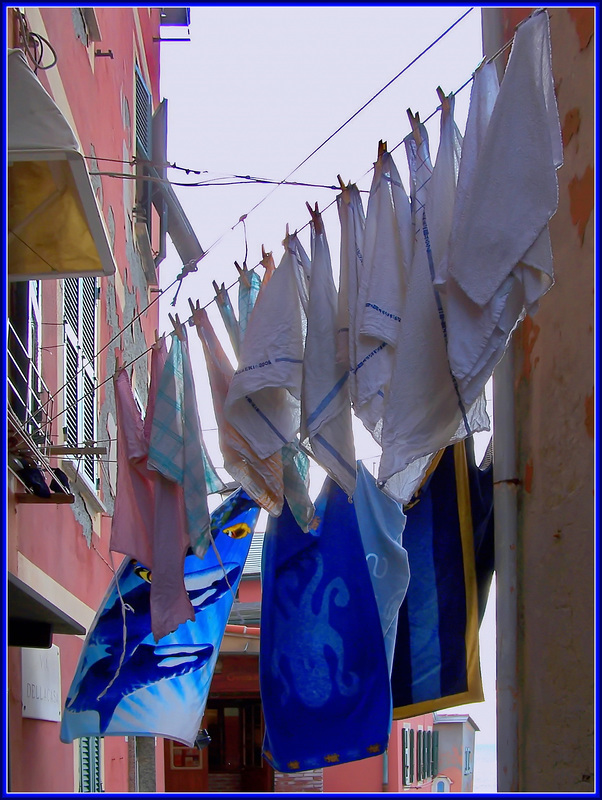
point(176, 447)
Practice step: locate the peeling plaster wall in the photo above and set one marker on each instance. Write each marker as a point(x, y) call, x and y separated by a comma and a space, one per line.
point(554, 395)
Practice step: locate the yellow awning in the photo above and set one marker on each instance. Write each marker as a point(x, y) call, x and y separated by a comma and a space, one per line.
point(55, 227)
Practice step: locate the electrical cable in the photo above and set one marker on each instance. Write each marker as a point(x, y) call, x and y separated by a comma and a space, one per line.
point(244, 216)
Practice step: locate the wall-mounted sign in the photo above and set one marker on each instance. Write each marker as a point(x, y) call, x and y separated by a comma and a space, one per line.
point(41, 683)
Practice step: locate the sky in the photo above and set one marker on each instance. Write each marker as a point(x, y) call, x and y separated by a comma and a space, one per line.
point(253, 93)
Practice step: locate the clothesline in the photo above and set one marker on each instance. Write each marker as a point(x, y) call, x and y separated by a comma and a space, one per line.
point(192, 267)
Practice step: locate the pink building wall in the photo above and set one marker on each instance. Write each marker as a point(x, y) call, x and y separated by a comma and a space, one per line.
point(66, 546)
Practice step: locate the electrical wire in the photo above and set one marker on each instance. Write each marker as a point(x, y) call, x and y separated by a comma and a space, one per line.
point(244, 216)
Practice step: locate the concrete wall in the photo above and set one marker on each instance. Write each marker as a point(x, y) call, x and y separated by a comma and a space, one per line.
point(554, 395)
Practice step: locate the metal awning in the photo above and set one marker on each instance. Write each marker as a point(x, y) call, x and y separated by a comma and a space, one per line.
point(32, 619)
point(55, 227)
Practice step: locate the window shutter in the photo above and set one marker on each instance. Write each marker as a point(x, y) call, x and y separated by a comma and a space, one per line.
point(71, 381)
point(89, 764)
point(406, 756)
point(435, 756)
point(79, 309)
point(144, 116)
point(419, 755)
point(427, 760)
point(411, 755)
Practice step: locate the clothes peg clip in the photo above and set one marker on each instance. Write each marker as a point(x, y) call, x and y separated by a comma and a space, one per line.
point(382, 149)
point(118, 361)
point(443, 99)
point(415, 122)
point(243, 274)
point(344, 190)
point(286, 236)
point(316, 218)
point(178, 328)
point(197, 315)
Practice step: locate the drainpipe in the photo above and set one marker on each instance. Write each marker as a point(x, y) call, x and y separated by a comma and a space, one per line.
point(386, 771)
point(505, 487)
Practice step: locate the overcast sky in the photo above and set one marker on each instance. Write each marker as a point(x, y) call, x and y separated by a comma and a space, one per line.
point(254, 92)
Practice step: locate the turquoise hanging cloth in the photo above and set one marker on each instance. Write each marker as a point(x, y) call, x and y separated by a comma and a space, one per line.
point(323, 670)
point(126, 684)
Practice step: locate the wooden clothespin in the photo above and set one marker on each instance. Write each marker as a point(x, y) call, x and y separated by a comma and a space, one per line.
point(196, 310)
point(443, 99)
point(243, 274)
point(382, 149)
point(344, 190)
point(286, 236)
point(178, 328)
point(415, 122)
point(316, 218)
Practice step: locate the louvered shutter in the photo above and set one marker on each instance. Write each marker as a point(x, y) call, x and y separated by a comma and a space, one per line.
point(435, 755)
point(89, 764)
point(419, 755)
point(411, 755)
point(406, 756)
point(427, 760)
point(79, 313)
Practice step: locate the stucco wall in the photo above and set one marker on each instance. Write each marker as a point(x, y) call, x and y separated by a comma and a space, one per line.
point(62, 550)
point(554, 395)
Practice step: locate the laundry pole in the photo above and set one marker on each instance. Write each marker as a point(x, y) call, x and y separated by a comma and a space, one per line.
point(505, 488)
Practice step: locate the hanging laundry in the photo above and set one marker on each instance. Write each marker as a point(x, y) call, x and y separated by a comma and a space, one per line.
point(262, 479)
point(388, 249)
point(500, 254)
point(133, 516)
point(268, 378)
point(326, 427)
point(296, 485)
point(125, 684)
point(177, 449)
point(301, 268)
point(436, 663)
point(424, 411)
point(323, 674)
point(381, 522)
point(352, 219)
point(222, 300)
point(249, 284)
point(169, 601)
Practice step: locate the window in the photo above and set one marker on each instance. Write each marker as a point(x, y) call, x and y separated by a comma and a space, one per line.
point(89, 764)
point(27, 392)
point(79, 317)
point(467, 760)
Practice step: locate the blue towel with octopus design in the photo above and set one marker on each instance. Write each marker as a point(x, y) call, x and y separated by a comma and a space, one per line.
point(323, 669)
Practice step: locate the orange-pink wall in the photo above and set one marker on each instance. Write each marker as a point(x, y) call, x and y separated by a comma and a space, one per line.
point(51, 537)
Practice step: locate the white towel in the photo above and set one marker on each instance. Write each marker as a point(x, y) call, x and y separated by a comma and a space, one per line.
point(515, 188)
point(352, 219)
point(387, 254)
point(261, 479)
point(479, 333)
point(325, 404)
point(424, 412)
point(268, 378)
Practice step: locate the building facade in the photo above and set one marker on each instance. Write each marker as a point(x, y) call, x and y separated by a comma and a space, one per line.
point(86, 237)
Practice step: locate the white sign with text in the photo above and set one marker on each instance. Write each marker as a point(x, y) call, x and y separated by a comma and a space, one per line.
point(41, 683)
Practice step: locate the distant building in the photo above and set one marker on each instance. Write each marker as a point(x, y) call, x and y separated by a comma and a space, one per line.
point(456, 740)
